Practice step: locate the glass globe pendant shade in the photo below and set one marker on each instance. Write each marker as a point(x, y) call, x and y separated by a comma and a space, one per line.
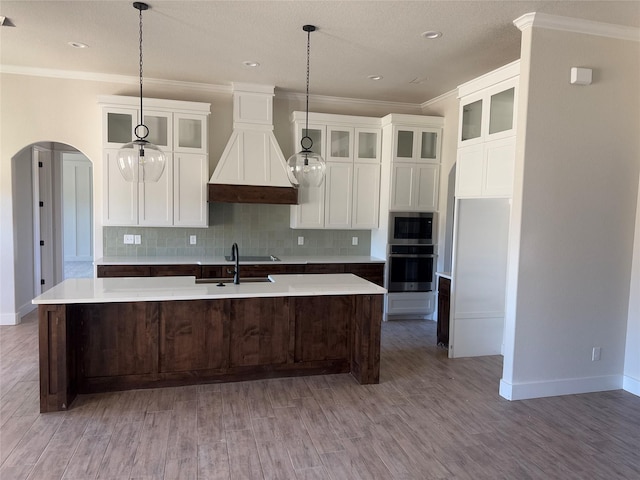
point(141, 161)
point(306, 168)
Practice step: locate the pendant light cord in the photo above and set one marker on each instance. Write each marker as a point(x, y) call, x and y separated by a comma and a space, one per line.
point(141, 113)
point(308, 54)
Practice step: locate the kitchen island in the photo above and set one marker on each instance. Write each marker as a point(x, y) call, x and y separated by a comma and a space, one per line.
point(104, 334)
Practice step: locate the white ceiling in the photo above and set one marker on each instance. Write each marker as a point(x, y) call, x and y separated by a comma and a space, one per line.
point(207, 41)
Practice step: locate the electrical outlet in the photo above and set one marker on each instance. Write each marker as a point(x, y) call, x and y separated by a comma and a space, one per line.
point(138, 239)
point(128, 239)
point(595, 354)
point(300, 240)
point(354, 241)
point(192, 240)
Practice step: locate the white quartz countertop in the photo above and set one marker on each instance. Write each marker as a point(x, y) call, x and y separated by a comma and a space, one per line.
point(147, 289)
point(202, 260)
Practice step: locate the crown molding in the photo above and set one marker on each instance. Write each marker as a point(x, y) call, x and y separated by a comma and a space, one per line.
point(576, 25)
point(110, 78)
point(286, 94)
point(439, 98)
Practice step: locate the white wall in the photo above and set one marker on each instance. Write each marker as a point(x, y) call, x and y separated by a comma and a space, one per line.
point(23, 213)
point(631, 380)
point(574, 211)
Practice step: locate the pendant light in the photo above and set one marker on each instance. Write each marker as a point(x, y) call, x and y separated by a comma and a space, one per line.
point(141, 160)
point(306, 167)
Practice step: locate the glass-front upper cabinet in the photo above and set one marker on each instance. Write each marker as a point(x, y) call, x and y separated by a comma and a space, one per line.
point(471, 121)
point(340, 146)
point(488, 115)
point(160, 129)
point(189, 133)
point(428, 145)
point(416, 145)
point(501, 111)
point(119, 124)
point(367, 148)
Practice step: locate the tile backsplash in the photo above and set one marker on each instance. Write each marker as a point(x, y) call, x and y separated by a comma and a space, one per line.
point(257, 229)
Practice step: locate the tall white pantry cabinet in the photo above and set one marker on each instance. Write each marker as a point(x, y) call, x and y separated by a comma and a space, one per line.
point(180, 129)
point(484, 186)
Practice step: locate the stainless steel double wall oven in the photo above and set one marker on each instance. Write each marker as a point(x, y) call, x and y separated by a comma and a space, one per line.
point(411, 254)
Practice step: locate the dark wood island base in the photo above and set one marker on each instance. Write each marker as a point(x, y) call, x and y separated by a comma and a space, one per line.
point(100, 347)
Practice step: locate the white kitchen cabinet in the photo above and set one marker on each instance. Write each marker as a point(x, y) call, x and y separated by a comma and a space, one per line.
point(487, 106)
point(349, 196)
point(338, 195)
point(414, 187)
point(190, 176)
point(155, 199)
point(366, 197)
point(180, 130)
point(411, 161)
point(309, 213)
point(190, 133)
point(120, 205)
point(415, 144)
point(486, 142)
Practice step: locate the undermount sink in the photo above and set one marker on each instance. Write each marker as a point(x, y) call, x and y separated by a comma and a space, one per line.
point(255, 258)
point(230, 280)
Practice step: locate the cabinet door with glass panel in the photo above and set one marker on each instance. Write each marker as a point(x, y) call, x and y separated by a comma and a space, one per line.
point(367, 148)
point(189, 133)
point(118, 125)
point(489, 114)
point(414, 144)
point(339, 144)
point(310, 211)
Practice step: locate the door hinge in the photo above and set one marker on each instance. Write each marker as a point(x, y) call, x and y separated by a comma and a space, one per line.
point(41, 204)
point(42, 243)
point(40, 164)
point(42, 281)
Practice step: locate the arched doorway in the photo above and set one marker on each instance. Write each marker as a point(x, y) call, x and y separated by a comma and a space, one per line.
point(53, 218)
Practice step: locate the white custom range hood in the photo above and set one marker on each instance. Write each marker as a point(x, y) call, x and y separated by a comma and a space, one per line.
point(252, 168)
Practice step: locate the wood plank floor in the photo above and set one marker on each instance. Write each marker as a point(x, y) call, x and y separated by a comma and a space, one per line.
point(429, 418)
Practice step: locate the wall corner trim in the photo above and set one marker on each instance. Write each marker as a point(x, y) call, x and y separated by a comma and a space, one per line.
point(631, 385)
point(577, 25)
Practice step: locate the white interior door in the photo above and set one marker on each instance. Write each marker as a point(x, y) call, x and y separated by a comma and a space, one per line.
point(43, 219)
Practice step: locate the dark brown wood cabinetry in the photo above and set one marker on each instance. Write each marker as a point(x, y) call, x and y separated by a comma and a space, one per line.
point(374, 272)
point(444, 299)
point(86, 348)
point(149, 270)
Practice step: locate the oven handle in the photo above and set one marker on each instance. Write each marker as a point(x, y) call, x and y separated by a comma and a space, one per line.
point(408, 255)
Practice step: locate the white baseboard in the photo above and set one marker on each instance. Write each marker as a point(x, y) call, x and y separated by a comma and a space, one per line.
point(9, 318)
point(631, 385)
point(571, 386)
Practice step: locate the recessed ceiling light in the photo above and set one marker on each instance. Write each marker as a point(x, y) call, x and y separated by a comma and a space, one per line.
point(375, 77)
point(431, 34)
point(251, 64)
point(78, 45)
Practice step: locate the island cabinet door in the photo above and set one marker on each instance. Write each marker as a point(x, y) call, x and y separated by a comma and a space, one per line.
point(259, 331)
point(119, 339)
point(322, 328)
point(194, 335)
